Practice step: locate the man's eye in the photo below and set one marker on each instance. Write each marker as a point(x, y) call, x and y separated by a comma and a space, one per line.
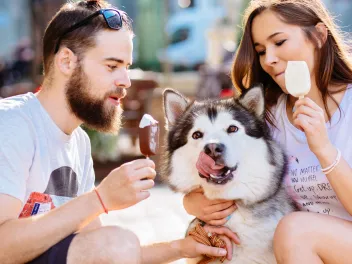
point(112, 67)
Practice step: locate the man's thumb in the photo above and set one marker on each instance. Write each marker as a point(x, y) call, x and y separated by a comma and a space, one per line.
point(213, 251)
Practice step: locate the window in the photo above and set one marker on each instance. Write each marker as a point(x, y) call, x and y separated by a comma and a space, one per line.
point(179, 35)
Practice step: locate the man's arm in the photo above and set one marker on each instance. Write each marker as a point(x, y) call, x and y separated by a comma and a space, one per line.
point(162, 253)
point(94, 224)
point(26, 238)
point(189, 248)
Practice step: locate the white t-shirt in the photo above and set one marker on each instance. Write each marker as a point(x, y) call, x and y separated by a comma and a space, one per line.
point(36, 156)
point(305, 182)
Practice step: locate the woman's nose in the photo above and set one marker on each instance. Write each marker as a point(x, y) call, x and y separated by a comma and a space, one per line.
point(270, 58)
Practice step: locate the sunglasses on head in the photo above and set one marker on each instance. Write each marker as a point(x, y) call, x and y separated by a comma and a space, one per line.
point(112, 18)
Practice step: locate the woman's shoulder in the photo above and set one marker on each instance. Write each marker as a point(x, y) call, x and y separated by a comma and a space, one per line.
point(349, 91)
point(277, 110)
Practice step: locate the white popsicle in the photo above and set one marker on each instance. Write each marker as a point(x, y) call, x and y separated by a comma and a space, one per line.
point(297, 78)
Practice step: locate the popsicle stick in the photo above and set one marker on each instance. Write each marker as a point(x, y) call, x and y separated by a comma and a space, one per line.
point(146, 157)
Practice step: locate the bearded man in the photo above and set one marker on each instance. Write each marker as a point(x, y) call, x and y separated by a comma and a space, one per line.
point(49, 204)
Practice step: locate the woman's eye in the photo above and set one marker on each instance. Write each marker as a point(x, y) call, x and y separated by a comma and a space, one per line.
point(232, 129)
point(197, 135)
point(261, 53)
point(280, 42)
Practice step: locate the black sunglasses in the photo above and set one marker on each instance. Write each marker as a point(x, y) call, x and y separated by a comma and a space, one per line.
point(112, 18)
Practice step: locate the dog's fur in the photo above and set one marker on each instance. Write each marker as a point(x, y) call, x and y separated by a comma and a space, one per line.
point(260, 165)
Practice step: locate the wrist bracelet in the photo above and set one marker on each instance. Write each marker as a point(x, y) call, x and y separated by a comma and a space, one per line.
point(101, 201)
point(330, 168)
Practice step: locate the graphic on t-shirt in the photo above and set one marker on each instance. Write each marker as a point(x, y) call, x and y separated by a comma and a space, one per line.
point(62, 186)
point(63, 182)
point(37, 203)
point(310, 188)
point(293, 159)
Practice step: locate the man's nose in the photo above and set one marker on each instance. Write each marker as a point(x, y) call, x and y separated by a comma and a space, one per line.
point(123, 80)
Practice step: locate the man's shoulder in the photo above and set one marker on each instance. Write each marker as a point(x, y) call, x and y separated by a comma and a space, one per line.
point(15, 116)
point(16, 106)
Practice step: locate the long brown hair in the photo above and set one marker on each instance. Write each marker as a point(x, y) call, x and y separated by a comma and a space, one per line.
point(82, 38)
point(333, 64)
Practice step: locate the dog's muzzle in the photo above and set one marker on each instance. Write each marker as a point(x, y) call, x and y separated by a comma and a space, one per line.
point(212, 172)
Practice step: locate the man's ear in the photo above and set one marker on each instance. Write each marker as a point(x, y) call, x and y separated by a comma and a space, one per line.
point(66, 61)
point(322, 33)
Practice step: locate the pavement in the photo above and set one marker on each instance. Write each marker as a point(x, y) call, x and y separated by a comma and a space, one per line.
point(160, 218)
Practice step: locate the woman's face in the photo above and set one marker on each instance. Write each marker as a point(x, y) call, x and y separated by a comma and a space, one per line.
point(277, 42)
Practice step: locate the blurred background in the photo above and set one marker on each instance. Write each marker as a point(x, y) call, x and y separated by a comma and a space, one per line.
point(183, 44)
point(187, 45)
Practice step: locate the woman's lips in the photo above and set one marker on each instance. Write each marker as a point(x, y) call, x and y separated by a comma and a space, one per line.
point(277, 75)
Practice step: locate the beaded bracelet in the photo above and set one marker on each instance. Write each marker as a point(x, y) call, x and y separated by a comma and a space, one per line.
point(330, 168)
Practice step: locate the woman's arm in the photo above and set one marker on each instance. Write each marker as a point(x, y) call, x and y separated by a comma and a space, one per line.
point(310, 118)
point(340, 177)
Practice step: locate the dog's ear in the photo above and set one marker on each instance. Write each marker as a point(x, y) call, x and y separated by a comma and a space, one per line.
point(253, 100)
point(174, 105)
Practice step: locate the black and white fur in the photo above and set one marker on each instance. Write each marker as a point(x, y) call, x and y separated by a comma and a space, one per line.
point(260, 165)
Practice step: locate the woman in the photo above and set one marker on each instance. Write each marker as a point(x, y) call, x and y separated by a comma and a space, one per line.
point(316, 130)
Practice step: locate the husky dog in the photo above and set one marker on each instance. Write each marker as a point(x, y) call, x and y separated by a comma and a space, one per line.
point(225, 147)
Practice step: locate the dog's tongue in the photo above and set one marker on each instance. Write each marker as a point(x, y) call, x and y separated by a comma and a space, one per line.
point(206, 165)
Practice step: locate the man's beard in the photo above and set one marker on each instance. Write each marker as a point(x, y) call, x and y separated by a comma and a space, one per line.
point(91, 111)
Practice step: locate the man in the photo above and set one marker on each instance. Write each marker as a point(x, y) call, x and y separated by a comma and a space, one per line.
point(45, 158)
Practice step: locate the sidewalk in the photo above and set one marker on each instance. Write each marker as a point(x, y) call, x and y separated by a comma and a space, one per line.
point(160, 218)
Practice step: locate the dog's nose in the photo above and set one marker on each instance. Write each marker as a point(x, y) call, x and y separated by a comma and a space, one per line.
point(214, 150)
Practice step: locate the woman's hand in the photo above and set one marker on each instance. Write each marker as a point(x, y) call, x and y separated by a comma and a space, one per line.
point(213, 212)
point(310, 118)
point(190, 248)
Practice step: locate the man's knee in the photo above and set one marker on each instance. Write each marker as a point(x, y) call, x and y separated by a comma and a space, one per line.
point(119, 244)
point(106, 245)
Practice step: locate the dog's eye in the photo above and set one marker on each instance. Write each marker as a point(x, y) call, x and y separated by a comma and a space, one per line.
point(197, 135)
point(232, 129)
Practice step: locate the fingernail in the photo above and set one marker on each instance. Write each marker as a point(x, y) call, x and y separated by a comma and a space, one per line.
point(223, 252)
point(228, 217)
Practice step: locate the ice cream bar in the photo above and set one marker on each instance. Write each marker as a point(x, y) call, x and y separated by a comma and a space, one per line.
point(148, 135)
point(297, 78)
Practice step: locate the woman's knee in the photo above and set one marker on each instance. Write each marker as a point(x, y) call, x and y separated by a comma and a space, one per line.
point(107, 245)
point(290, 232)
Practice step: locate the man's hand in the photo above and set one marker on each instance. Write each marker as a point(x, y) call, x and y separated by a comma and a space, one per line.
point(128, 184)
point(192, 249)
point(213, 212)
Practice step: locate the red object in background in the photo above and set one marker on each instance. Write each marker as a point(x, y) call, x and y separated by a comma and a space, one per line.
point(37, 203)
point(226, 93)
